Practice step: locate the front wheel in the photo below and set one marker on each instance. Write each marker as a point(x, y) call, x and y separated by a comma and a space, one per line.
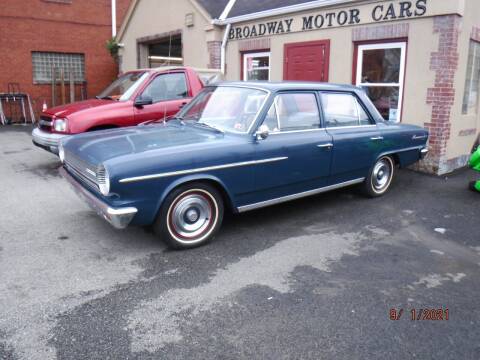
point(380, 177)
point(190, 216)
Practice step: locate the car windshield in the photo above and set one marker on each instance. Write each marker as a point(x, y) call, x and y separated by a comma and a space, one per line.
point(226, 108)
point(123, 88)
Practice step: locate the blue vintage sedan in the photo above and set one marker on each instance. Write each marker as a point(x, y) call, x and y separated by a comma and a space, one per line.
point(238, 147)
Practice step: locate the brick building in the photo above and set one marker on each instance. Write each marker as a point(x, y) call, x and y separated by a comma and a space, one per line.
point(418, 60)
point(70, 34)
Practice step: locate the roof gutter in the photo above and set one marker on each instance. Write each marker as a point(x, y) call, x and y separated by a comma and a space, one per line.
point(114, 18)
point(223, 48)
point(282, 11)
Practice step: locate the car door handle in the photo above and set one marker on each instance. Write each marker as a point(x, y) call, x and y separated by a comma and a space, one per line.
point(376, 138)
point(325, 146)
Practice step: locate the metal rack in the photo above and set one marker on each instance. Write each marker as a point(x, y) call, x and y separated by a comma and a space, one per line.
point(15, 106)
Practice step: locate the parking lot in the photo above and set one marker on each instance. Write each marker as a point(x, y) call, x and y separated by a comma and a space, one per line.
point(311, 279)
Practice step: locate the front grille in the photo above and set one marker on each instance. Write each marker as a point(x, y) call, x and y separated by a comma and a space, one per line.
point(85, 172)
point(45, 123)
point(101, 175)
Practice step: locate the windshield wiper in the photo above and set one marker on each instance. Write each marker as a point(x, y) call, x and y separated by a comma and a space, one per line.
point(205, 125)
point(104, 98)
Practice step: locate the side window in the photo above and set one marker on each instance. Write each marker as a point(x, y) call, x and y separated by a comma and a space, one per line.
point(343, 110)
point(167, 87)
point(293, 111)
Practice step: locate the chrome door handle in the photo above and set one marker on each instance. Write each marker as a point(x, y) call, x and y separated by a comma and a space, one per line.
point(326, 145)
point(375, 138)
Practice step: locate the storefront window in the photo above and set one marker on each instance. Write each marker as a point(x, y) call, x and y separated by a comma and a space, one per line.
point(380, 71)
point(256, 66)
point(472, 82)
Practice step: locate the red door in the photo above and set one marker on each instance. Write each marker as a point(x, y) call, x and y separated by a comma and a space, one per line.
point(307, 61)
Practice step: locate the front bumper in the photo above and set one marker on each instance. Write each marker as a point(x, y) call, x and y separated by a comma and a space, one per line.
point(46, 140)
point(119, 218)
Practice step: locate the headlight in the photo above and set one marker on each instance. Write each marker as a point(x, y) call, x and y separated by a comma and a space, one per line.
point(60, 125)
point(103, 180)
point(61, 152)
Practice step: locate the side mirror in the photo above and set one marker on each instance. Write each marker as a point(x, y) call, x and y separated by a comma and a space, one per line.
point(143, 100)
point(262, 132)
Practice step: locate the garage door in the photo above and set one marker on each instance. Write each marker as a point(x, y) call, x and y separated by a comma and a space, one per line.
point(307, 61)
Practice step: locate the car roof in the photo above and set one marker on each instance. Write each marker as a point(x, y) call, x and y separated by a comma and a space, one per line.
point(179, 67)
point(274, 86)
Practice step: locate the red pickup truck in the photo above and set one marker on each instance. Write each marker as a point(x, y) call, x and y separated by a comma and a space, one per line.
point(133, 98)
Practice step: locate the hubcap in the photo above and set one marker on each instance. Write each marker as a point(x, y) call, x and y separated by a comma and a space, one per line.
point(191, 216)
point(381, 174)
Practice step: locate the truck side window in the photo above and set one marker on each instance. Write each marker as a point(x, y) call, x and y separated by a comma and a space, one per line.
point(167, 87)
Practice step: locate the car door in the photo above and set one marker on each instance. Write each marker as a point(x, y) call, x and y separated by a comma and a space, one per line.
point(357, 141)
point(297, 151)
point(168, 92)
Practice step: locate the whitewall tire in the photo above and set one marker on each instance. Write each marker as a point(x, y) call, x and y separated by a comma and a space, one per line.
point(190, 216)
point(380, 177)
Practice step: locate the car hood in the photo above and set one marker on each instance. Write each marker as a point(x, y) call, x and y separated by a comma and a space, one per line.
point(80, 106)
point(100, 146)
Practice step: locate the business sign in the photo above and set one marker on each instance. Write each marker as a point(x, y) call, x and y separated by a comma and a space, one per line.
point(353, 16)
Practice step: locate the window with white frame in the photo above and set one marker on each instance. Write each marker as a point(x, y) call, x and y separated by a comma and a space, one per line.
point(256, 66)
point(44, 62)
point(381, 72)
point(472, 81)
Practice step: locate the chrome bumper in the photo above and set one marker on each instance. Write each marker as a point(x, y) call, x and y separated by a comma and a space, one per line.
point(47, 141)
point(119, 218)
point(423, 153)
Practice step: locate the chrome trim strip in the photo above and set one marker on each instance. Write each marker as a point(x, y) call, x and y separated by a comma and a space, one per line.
point(418, 147)
point(91, 172)
point(350, 127)
point(298, 195)
point(418, 137)
point(208, 168)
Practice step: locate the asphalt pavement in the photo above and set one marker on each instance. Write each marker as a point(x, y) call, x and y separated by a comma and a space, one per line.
point(317, 278)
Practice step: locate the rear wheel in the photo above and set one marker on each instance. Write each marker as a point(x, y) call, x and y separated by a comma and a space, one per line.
point(190, 216)
point(380, 177)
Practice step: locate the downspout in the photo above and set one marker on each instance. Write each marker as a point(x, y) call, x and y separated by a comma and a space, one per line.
point(114, 18)
point(223, 48)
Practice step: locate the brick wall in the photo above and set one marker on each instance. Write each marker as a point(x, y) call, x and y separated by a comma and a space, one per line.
point(214, 52)
point(380, 32)
point(444, 62)
point(79, 26)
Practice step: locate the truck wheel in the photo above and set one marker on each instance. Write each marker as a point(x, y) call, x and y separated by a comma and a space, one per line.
point(190, 216)
point(380, 177)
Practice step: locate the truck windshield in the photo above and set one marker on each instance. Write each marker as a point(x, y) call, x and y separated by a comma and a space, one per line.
point(123, 88)
point(226, 108)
